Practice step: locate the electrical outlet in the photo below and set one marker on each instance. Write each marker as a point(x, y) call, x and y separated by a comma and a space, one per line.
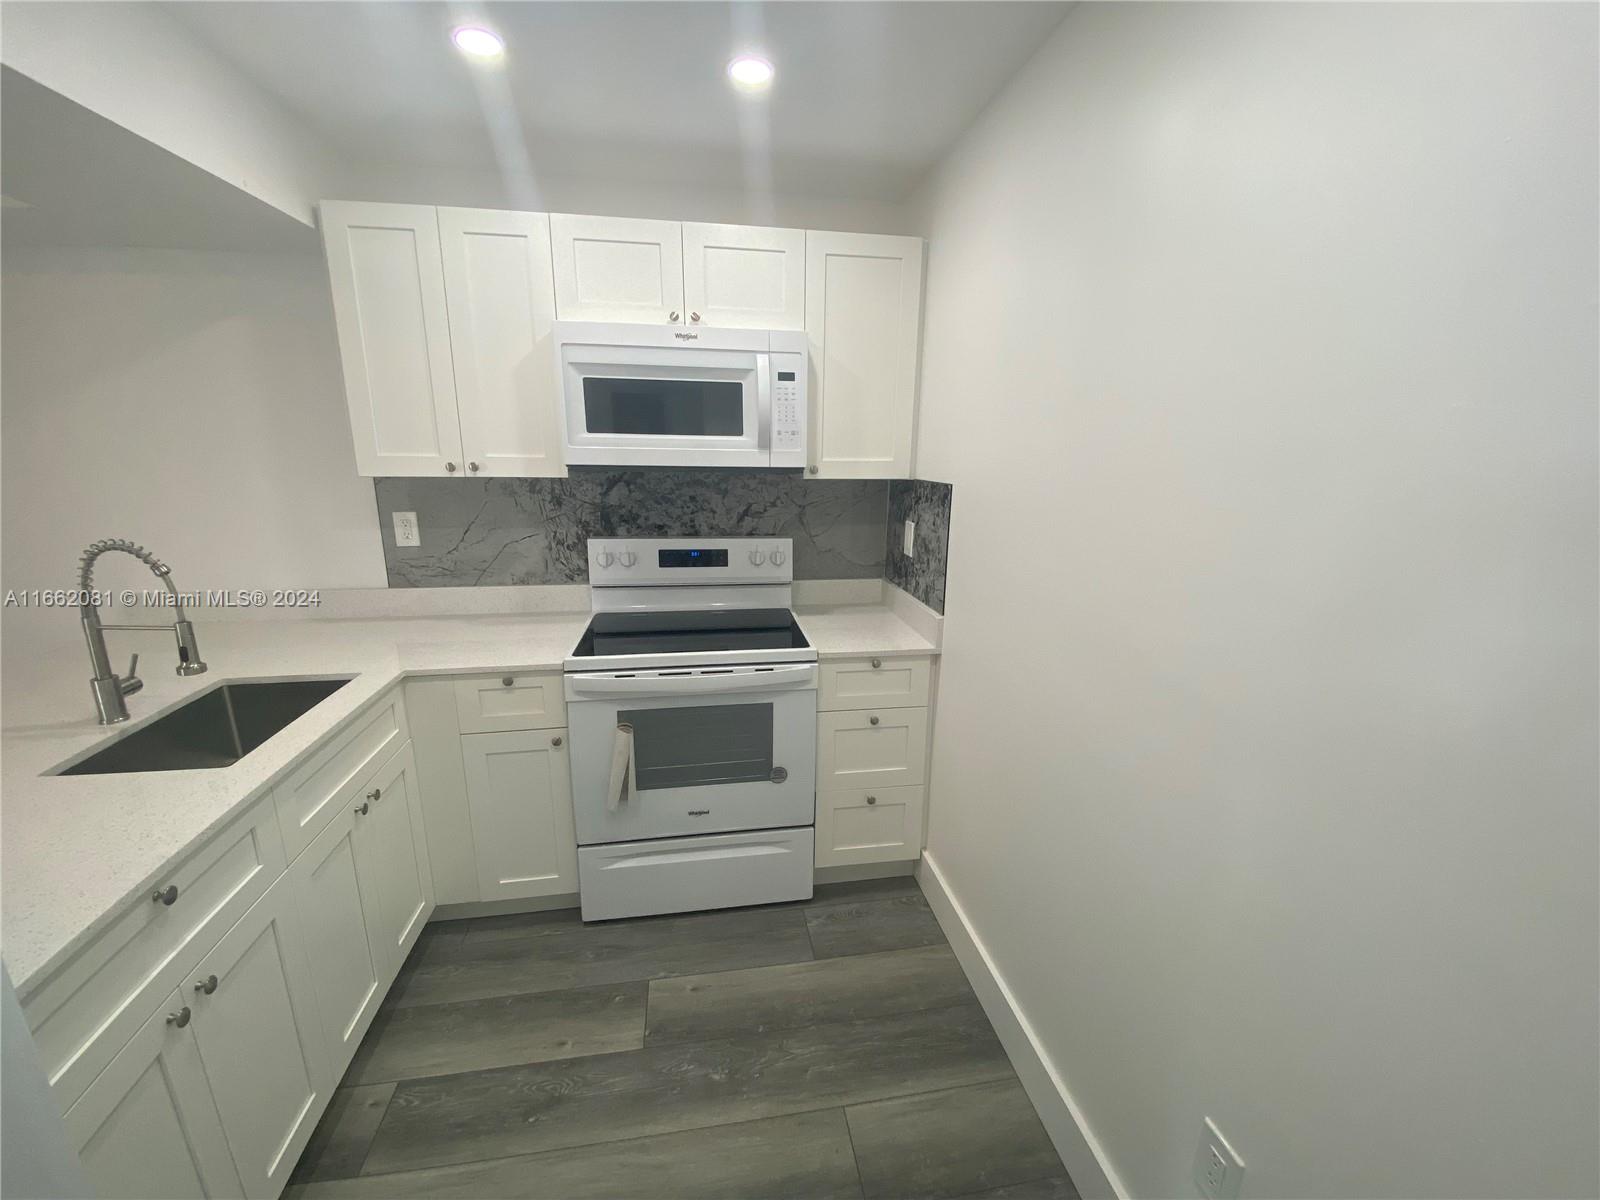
point(908, 538)
point(405, 529)
point(1218, 1171)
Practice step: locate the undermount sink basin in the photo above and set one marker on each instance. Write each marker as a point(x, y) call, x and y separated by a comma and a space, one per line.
point(215, 729)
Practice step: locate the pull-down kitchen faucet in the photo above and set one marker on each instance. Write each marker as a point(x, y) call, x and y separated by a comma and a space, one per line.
point(108, 688)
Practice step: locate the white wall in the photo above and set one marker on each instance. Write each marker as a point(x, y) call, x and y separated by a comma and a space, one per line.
point(191, 401)
point(1261, 351)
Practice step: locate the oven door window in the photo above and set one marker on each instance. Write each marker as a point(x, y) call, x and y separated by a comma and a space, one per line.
point(671, 407)
point(701, 746)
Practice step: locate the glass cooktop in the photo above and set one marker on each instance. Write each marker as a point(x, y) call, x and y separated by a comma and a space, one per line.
point(693, 632)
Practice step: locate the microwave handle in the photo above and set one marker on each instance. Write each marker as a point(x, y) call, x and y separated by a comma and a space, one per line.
point(764, 403)
point(778, 679)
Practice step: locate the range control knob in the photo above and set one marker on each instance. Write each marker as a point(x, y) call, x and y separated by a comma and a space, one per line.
point(627, 558)
point(757, 558)
point(778, 557)
point(604, 557)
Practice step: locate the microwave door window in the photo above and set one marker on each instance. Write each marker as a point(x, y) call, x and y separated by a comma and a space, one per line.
point(702, 746)
point(663, 407)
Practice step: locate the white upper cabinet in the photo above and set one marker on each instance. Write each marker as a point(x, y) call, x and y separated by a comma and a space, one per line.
point(744, 276)
point(394, 336)
point(497, 279)
point(863, 312)
point(617, 269)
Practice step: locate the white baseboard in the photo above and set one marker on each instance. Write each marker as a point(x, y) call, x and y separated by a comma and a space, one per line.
point(1063, 1120)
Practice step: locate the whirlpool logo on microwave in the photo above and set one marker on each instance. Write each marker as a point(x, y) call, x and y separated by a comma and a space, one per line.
point(699, 812)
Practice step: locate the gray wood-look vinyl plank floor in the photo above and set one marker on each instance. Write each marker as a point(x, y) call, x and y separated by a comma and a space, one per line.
point(826, 1048)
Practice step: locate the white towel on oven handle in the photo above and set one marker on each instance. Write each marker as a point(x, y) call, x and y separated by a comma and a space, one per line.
point(623, 783)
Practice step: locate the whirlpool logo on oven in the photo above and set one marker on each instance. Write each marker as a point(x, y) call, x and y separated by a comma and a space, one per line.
point(699, 812)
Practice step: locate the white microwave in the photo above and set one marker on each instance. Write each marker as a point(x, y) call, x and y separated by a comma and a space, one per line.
point(671, 396)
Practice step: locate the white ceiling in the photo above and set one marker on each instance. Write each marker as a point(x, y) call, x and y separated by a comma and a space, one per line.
point(868, 95)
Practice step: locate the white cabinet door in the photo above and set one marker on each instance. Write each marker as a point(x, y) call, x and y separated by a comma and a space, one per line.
point(617, 269)
point(394, 337)
point(392, 853)
point(349, 969)
point(744, 276)
point(261, 1041)
point(885, 747)
point(519, 788)
point(147, 1127)
point(869, 825)
point(863, 312)
point(501, 293)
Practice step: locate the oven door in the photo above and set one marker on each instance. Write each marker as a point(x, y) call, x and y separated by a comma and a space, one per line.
point(666, 406)
point(713, 749)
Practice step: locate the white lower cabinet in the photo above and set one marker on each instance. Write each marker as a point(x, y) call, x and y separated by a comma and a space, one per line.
point(147, 1128)
point(519, 793)
point(885, 747)
point(869, 825)
point(394, 859)
point(256, 1024)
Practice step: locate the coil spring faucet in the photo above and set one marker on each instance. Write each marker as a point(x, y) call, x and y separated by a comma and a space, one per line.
point(108, 688)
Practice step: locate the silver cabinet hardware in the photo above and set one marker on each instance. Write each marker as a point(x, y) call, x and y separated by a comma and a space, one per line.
point(207, 985)
point(812, 469)
point(450, 467)
point(363, 809)
point(672, 316)
point(179, 1018)
point(167, 895)
point(695, 317)
point(872, 720)
point(506, 681)
point(555, 741)
point(375, 795)
point(872, 799)
point(876, 663)
point(473, 467)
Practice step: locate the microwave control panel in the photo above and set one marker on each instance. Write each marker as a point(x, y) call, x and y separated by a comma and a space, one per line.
point(788, 409)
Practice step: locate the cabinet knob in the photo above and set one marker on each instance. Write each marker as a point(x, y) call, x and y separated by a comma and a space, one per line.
point(450, 467)
point(473, 467)
point(872, 720)
point(167, 895)
point(812, 469)
point(179, 1018)
point(872, 799)
point(555, 741)
point(375, 795)
point(506, 681)
point(207, 985)
point(672, 316)
point(363, 809)
point(876, 663)
point(695, 317)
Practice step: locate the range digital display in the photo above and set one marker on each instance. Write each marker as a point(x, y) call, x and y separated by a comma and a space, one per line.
point(691, 558)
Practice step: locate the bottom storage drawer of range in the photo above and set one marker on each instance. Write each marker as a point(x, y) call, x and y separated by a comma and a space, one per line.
point(634, 879)
point(868, 825)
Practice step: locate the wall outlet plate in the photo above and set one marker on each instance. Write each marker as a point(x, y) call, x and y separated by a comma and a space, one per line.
point(1218, 1171)
point(405, 529)
point(908, 538)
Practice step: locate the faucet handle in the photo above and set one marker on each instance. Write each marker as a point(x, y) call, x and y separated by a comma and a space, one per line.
point(131, 683)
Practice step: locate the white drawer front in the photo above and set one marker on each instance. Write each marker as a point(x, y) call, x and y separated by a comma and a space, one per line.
point(880, 747)
point(869, 825)
point(319, 787)
point(505, 703)
point(633, 879)
point(873, 683)
point(89, 1010)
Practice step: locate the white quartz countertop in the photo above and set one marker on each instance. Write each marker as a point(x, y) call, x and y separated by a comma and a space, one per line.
point(75, 849)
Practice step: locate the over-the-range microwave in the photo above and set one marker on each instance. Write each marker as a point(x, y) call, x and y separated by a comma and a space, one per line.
point(676, 396)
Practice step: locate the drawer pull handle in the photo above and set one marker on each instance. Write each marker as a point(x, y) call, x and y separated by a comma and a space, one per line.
point(375, 795)
point(872, 799)
point(167, 895)
point(363, 809)
point(876, 663)
point(555, 741)
point(207, 985)
point(506, 681)
point(872, 720)
point(179, 1018)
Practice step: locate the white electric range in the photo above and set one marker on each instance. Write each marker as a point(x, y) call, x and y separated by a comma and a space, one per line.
point(692, 706)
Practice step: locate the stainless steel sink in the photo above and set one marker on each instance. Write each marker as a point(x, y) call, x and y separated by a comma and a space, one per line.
point(215, 729)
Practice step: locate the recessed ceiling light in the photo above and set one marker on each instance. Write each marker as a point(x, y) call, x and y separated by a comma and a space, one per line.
point(477, 42)
point(750, 73)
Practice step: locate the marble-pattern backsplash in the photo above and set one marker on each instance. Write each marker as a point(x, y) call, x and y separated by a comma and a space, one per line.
point(928, 505)
point(533, 531)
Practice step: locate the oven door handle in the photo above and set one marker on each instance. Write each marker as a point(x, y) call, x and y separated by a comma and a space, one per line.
point(777, 679)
